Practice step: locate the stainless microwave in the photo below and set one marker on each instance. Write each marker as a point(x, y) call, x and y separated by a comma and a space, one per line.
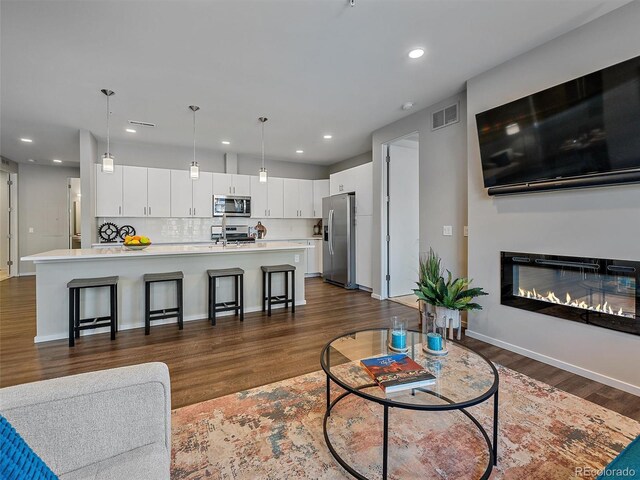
point(231, 205)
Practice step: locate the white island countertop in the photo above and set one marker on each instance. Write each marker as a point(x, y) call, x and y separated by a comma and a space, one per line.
point(106, 253)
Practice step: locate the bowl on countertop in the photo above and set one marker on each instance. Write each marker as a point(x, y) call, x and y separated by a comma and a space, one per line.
point(136, 247)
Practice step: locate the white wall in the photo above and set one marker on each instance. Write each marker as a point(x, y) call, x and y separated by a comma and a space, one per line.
point(602, 222)
point(88, 147)
point(356, 161)
point(42, 205)
point(443, 187)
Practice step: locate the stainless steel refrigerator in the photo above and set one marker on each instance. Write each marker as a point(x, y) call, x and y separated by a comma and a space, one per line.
point(339, 240)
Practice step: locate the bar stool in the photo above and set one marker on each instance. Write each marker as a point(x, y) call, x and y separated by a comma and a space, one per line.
point(238, 304)
point(76, 323)
point(267, 299)
point(150, 315)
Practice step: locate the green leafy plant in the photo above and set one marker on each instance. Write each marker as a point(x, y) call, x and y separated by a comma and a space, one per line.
point(451, 293)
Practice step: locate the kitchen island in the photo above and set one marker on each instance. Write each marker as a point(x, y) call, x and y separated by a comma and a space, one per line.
point(57, 267)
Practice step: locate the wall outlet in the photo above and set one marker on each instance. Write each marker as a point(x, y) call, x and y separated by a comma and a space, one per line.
point(296, 258)
point(466, 230)
point(30, 229)
point(447, 230)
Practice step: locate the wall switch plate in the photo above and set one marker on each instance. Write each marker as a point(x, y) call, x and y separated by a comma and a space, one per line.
point(466, 230)
point(296, 258)
point(30, 229)
point(447, 230)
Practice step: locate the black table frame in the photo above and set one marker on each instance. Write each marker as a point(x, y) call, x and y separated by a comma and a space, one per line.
point(386, 403)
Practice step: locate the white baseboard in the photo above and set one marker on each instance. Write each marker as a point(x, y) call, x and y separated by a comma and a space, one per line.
point(165, 321)
point(376, 296)
point(598, 377)
point(26, 274)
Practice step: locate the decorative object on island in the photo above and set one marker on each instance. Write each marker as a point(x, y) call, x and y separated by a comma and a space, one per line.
point(449, 297)
point(108, 232)
point(261, 230)
point(194, 170)
point(263, 170)
point(137, 242)
point(317, 228)
point(107, 158)
point(126, 231)
point(398, 335)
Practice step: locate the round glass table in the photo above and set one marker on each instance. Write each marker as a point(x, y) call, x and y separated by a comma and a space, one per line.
point(463, 378)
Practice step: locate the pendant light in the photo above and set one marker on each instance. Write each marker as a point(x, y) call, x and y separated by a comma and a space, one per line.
point(194, 171)
point(263, 170)
point(107, 158)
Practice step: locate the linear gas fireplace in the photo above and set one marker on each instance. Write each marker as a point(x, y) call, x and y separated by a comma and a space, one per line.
point(595, 291)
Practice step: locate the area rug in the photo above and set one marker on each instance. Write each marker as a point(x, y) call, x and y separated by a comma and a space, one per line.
point(275, 432)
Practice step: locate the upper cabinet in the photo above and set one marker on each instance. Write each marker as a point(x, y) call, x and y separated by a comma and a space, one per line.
point(191, 198)
point(202, 195)
point(320, 191)
point(298, 198)
point(359, 180)
point(231, 184)
point(267, 199)
point(108, 192)
point(134, 191)
point(158, 196)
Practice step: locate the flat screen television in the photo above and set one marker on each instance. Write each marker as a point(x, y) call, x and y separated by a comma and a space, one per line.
point(585, 132)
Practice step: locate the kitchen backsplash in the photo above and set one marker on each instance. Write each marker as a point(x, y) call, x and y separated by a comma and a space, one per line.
point(176, 230)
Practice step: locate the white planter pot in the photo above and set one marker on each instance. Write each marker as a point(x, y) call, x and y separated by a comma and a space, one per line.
point(447, 318)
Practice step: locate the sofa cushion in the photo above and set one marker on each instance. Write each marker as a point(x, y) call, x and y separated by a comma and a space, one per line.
point(17, 460)
point(150, 462)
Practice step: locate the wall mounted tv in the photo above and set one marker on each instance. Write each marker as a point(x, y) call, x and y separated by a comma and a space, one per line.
point(581, 133)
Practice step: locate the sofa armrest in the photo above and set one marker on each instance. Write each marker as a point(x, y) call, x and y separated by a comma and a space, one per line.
point(75, 421)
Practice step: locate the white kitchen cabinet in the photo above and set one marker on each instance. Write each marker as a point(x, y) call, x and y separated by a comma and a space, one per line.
point(314, 257)
point(275, 197)
point(181, 194)
point(134, 191)
point(158, 192)
point(241, 185)
point(298, 198)
point(202, 196)
point(320, 191)
point(363, 178)
point(342, 182)
point(259, 198)
point(364, 233)
point(231, 184)
point(109, 192)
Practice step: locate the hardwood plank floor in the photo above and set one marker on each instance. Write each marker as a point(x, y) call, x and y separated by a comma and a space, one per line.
point(207, 362)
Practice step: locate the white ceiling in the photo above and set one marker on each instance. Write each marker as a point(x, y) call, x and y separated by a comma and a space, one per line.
point(312, 66)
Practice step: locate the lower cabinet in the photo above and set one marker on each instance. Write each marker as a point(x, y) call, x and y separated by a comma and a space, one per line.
point(314, 257)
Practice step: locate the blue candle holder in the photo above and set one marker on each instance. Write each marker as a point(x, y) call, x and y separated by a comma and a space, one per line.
point(434, 341)
point(398, 335)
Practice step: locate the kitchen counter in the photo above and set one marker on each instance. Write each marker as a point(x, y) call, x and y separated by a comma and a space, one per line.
point(207, 243)
point(57, 267)
point(111, 252)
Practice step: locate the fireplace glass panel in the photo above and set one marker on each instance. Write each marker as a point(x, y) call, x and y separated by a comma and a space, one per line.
point(581, 288)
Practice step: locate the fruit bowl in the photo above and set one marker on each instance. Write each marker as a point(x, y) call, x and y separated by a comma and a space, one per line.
point(136, 247)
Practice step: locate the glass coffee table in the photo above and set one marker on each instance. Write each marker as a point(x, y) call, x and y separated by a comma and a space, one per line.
point(463, 378)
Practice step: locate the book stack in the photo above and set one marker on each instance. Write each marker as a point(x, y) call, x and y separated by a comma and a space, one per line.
point(397, 372)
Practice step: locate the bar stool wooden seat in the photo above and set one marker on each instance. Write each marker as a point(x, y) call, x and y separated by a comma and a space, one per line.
point(76, 324)
point(238, 304)
point(174, 312)
point(267, 299)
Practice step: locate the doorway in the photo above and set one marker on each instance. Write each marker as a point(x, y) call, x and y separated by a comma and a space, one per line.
point(8, 225)
point(403, 215)
point(74, 200)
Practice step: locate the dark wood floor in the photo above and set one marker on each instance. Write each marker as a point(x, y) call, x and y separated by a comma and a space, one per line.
point(207, 362)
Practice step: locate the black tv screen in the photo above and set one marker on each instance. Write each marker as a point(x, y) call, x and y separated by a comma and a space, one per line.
point(589, 125)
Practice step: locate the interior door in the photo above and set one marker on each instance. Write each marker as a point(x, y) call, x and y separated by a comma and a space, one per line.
point(403, 220)
point(134, 191)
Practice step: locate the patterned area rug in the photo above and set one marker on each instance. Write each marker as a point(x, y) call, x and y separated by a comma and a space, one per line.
point(275, 432)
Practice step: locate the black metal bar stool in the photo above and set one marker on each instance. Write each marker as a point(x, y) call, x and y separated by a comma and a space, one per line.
point(238, 304)
point(76, 323)
point(267, 299)
point(177, 311)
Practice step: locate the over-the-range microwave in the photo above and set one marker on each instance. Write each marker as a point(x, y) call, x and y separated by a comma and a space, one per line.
point(231, 205)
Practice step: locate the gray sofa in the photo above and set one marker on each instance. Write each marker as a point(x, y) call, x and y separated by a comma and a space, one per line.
point(110, 424)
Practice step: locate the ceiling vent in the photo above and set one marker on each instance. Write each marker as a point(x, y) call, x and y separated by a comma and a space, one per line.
point(141, 124)
point(445, 117)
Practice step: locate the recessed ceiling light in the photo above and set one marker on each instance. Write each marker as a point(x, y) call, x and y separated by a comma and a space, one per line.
point(26, 140)
point(129, 130)
point(407, 105)
point(299, 151)
point(55, 160)
point(328, 137)
point(226, 142)
point(416, 53)
point(31, 160)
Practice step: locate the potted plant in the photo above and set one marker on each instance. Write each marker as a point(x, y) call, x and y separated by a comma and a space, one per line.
point(449, 296)
point(430, 269)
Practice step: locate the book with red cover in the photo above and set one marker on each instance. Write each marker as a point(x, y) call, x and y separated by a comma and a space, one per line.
point(397, 372)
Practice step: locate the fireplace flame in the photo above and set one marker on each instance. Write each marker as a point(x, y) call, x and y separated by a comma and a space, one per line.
point(551, 297)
